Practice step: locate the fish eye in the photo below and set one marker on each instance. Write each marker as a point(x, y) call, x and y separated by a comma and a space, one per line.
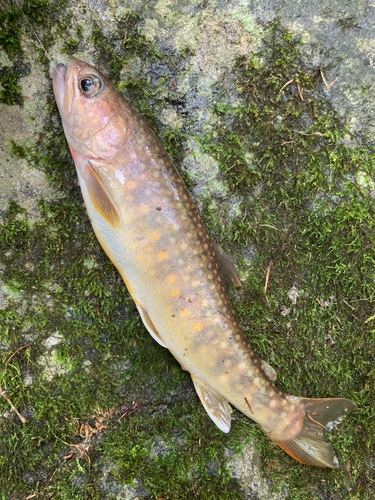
point(90, 85)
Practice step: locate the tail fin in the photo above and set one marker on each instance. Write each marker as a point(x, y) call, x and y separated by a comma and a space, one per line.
point(310, 446)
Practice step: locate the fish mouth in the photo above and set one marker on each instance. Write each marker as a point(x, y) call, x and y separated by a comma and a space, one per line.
point(59, 84)
point(65, 79)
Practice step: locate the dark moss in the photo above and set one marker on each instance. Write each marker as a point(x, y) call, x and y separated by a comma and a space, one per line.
point(10, 81)
point(10, 31)
point(14, 22)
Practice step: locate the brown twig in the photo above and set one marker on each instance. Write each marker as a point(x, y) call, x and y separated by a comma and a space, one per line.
point(21, 417)
point(287, 83)
point(321, 425)
point(3, 393)
point(248, 404)
point(328, 85)
point(299, 91)
point(230, 168)
point(78, 447)
point(267, 276)
point(15, 352)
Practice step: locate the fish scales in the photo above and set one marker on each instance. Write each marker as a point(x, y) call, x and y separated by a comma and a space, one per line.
point(147, 223)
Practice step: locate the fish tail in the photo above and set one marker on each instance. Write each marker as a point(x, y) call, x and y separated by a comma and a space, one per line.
point(310, 445)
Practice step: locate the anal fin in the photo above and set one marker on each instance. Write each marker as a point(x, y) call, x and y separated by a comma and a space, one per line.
point(150, 326)
point(226, 266)
point(217, 407)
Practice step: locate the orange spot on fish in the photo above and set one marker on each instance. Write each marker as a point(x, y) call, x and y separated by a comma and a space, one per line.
point(184, 313)
point(197, 326)
point(154, 236)
point(143, 209)
point(175, 292)
point(171, 278)
point(162, 255)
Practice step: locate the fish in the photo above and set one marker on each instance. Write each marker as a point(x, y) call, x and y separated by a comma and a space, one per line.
point(148, 225)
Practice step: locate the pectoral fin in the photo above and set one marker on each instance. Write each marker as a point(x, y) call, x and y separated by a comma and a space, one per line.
point(269, 370)
point(228, 271)
point(150, 326)
point(217, 407)
point(99, 197)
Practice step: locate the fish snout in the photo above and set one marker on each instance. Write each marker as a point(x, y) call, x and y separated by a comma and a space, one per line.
point(59, 83)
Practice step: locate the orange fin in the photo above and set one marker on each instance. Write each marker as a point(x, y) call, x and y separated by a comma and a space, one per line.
point(310, 446)
point(99, 197)
point(217, 407)
point(226, 266)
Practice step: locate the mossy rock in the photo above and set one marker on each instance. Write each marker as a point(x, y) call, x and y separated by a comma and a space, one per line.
point(280, 164)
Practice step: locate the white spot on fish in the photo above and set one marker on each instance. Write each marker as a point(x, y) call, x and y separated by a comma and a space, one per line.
point(120, 176)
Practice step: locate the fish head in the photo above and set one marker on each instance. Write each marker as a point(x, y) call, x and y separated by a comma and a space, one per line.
point(91, 109)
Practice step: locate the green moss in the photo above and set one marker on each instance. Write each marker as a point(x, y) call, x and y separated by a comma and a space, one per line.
point(10, 81)
point(115, 54)
point(10, 32)
point(70, 46)
point(37, 15)
point(304, 209)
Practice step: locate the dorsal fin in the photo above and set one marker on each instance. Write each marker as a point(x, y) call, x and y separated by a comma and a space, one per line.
point(217, 407)
point(100, 198)
point(227, 269)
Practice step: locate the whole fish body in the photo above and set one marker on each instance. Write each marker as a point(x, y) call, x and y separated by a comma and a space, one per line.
point(147, 223)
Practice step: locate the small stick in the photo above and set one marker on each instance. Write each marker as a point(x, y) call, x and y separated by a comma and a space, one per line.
point(352, 308)
point(287, 83)
point(15, 352)
point(248, 404)
point(230, 168)
point(321, 425)
point(348, 469)
point(22, 418)
point(299, 91)
point(267, 276)
point(78, 447)
point(328, 85)
point(287, 142)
